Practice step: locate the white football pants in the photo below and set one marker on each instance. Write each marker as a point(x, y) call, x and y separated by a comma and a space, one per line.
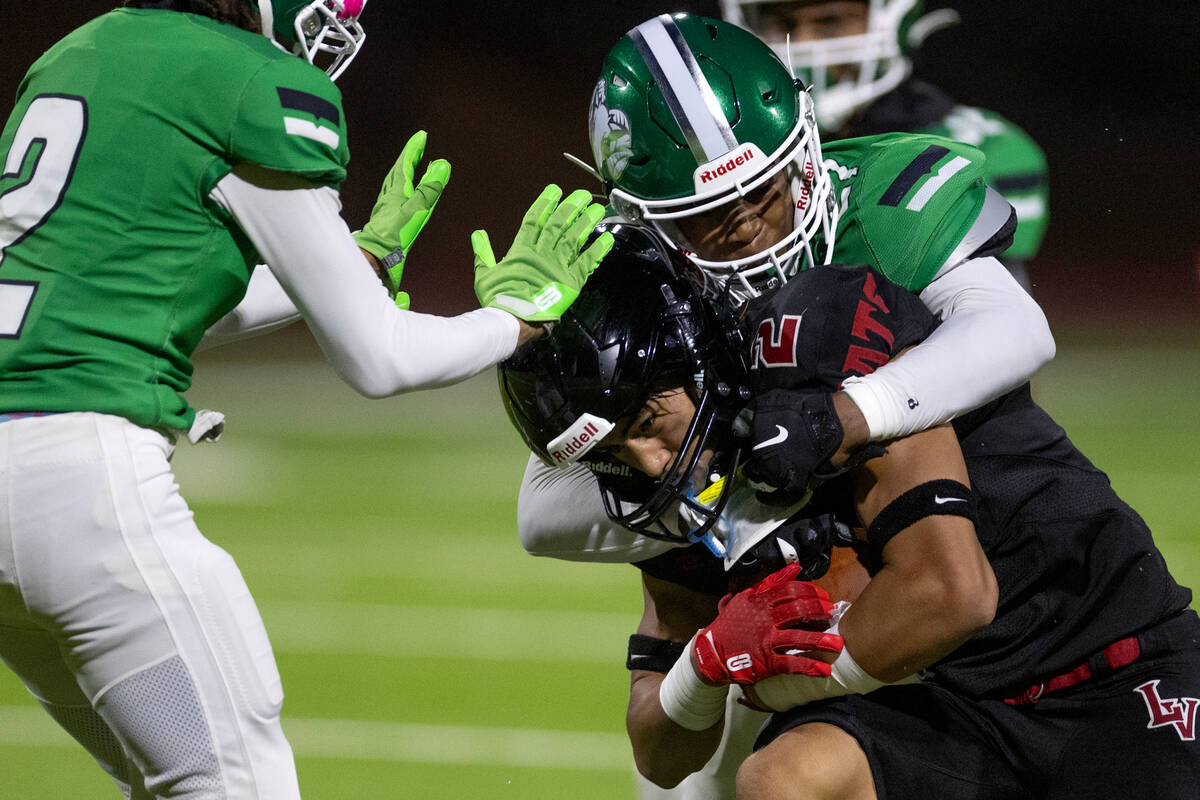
point(134, 632)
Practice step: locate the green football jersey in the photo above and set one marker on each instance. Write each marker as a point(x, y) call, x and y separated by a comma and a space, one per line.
point(908, 203)
point(113, 259)
point(1016, 167)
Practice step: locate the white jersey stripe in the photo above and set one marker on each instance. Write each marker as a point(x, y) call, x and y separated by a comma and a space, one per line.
point(688, 95)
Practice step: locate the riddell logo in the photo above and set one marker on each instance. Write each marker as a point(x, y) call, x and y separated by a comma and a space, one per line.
point(736, 165)
point(572, 447)
point(709, 175)
point(606, 468)
point(806, 186)
point(576, 440)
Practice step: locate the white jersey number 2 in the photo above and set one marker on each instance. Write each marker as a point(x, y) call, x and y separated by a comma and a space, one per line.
point(37, 169)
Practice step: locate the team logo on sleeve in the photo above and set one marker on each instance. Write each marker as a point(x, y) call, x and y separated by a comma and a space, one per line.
point(310, 116)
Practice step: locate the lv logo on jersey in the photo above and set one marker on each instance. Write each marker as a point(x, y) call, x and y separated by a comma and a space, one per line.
point(1180, 712)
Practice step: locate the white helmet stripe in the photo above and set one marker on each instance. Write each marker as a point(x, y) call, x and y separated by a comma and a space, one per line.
point(689, 97)
point(267, 13)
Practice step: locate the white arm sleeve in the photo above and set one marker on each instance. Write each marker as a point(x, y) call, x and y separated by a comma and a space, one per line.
point(993, 337)
point(375, 347)
point(265, 308)
point(560, 515)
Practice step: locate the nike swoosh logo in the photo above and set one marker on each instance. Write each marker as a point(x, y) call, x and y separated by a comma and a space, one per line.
point(937, 498)
point(776, 439)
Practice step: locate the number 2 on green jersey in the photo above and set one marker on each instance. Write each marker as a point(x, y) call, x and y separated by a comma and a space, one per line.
point(37, 169)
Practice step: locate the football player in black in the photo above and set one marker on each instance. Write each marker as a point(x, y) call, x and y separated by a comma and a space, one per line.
point(1006, 626)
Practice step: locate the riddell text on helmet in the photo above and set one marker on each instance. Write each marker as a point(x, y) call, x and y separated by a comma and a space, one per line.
point(572, 447)
point(728, 166)
point(577, 439)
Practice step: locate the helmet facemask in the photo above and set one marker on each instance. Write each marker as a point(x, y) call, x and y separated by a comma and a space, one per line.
point(325, 33)
point(847, 73)
point(794, 176)
point(693, 483)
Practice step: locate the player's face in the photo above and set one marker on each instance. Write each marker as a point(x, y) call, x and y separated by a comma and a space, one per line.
point(805, 22)
point(744, 226)
point(650, 440)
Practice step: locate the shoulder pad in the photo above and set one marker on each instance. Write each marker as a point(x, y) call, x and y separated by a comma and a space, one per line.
point(291, 119)
point(907, 202)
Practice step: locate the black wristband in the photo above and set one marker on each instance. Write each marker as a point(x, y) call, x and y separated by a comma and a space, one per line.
point(651, 654)
point(945, 497)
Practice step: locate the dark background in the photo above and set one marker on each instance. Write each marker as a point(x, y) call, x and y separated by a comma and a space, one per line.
point(1108, 89)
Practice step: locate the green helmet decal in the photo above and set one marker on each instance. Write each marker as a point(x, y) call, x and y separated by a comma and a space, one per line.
point(690, 115)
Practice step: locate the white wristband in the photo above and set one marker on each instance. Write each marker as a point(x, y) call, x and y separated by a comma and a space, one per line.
point(872, 399)
point(688, 701)
point(782, 692)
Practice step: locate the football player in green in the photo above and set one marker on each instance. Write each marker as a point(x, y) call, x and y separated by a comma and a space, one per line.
point(152, 159)
point(699, 131)
point(857, 57)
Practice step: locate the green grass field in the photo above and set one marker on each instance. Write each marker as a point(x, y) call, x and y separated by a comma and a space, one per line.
point(423, 653)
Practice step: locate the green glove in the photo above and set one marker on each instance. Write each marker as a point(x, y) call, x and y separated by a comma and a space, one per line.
point(544, 269)
point(402, 210)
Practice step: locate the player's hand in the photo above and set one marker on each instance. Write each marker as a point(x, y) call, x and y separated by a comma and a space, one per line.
point(545, 268)
point(794, 434)
point(758, 632)
point(800, 539)
point(401, 211)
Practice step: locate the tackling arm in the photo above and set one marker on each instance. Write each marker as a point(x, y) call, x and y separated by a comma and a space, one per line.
point(993, 337)
point(560, 515)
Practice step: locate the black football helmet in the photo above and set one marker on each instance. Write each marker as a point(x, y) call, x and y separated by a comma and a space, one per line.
point(639, 326)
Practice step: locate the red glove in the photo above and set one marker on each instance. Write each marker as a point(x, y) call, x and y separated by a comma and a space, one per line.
point(760, 632)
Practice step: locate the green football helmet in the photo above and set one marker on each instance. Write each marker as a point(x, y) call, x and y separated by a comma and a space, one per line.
point(881, 58)
point(325, 30)
point(694, 120)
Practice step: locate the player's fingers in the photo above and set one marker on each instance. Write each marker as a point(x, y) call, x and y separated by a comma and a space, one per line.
point(590, 259)
point(535, 218)
point(481, 245)
point(800, 611)
point(803, 665)
point(786, 575)
point(794, 641)
point(563, 217)
point(437, 174)
point(413, 150)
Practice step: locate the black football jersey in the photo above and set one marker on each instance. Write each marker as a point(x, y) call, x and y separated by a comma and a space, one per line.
point(1077, 567)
